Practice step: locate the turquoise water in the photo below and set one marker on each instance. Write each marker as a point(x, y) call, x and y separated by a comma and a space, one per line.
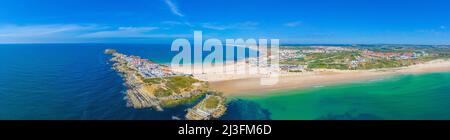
point(75, 81)
point(425, 96)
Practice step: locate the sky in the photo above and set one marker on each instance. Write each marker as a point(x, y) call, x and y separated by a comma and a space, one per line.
point(162, 21)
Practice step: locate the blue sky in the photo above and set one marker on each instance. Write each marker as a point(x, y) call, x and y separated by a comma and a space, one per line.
point(161, 21)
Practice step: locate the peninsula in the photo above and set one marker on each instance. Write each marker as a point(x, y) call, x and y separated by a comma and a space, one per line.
point(152, 85)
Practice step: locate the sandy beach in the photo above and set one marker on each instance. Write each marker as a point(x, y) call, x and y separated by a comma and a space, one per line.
point(249, 84)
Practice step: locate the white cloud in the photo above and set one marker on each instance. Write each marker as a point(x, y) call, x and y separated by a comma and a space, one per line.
point(136, 29)
point(75, 33)
point(242, 25)
point(15, 31)
point(214, 26)
point(293, 24)
point(172, 23)
point(173, 8)
point(132, 32)
point(176, 23)
point(120, 32)
point(148, 35)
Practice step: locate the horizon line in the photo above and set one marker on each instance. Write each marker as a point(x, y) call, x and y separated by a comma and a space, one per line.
point(286, 44)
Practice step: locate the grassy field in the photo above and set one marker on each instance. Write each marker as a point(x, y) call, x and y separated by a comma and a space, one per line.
point(170, 103)
point(212, 102)
point(343, 59)
point(180, 83)
point(339, 60)
point(171, 85)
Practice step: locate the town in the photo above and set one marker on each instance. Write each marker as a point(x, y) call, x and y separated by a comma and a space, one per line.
point(354, 57)
point(145, 67)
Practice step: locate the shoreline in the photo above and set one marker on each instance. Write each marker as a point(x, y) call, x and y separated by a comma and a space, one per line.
point(249, 86)
point(151, 85)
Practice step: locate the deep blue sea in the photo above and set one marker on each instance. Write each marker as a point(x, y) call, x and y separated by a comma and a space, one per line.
point(76, 82)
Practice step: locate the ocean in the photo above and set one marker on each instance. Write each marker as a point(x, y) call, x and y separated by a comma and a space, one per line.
point(76, 82)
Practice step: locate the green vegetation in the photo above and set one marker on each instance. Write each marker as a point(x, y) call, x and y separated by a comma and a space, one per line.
point(378, 64)
point(169, 86)
point(172, 85)
point(160, 92)
point(212, 102)
point(295, 71)
point(179, 83)
point(363, 56)
point(153, 80)
point(337, 60)
point(174, 102)
point(297, 61)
